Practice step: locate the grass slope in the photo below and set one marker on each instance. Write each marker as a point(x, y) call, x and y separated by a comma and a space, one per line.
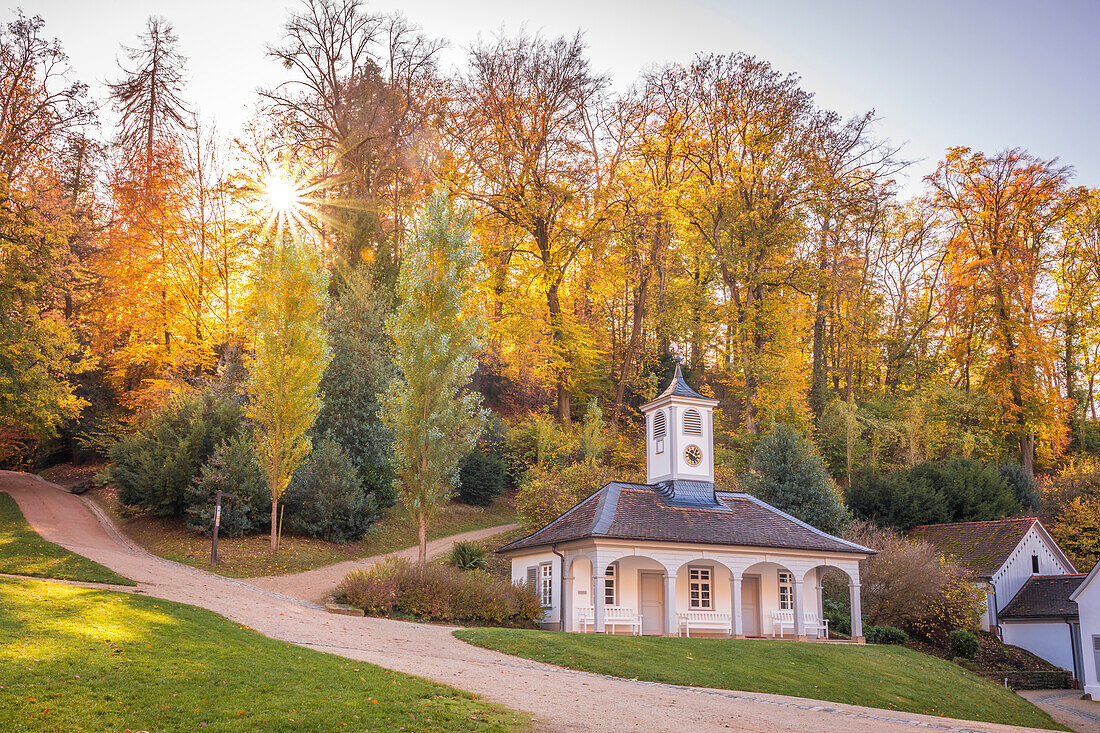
point(877, 676)
point(23, 552)
point(76, 659)
point(244, 557)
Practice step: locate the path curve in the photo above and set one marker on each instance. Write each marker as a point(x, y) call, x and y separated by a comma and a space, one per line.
point(558, 699)
point(316, 585)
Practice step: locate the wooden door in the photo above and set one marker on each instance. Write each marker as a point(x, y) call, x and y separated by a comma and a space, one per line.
point(750, 605)
point(651, 593)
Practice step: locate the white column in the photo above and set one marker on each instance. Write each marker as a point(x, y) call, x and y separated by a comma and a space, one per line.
point(820, 587)
point(598, 570)
point(735, 602)
point(671, 628)
point(799, 609)
point(568, 617)
point(857, 613)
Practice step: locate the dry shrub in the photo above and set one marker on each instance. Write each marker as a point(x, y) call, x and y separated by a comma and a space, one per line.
point(442, 593)
point(909, 585)
point(548, 491)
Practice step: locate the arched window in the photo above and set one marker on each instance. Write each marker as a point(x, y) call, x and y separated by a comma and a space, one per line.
point(693, 423)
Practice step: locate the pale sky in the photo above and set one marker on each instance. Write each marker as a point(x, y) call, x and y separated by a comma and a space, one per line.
point(989, 75)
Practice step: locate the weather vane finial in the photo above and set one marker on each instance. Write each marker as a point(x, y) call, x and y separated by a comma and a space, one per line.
point(678, 359)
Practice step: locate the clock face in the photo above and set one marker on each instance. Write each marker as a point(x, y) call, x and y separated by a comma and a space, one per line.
point(693, 455)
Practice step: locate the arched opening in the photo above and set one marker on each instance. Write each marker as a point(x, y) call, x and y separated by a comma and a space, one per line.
point(834, 590)
point(769, 600)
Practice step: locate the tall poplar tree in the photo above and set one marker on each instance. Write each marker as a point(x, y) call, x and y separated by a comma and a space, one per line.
point(289, 299)
point(433, 415)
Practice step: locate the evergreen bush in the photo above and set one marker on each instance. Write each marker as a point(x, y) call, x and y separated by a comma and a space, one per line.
point(963, 643)
point(934, 492)
point(326, 499)
point(480, 478)
point(886, 635)
point(231, 469)
point(154, 466)
point(1021, 483)
point(361, 368)
point(788, 473)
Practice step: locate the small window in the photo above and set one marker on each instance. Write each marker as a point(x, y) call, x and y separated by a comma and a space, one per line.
point(693, 423)
point(609, 586)
point(1034, 564)
point(786, 592)
point(700, 587)
point(546, 584)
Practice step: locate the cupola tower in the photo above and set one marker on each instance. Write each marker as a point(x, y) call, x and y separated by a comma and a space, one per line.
point(679, 432)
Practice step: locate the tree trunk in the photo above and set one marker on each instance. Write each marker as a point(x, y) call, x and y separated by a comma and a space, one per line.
point(422, 536)
point(818, 381)
point(274, 524)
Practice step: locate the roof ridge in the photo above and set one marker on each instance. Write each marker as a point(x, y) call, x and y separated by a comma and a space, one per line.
point(1003, 520)
point(1057, 575)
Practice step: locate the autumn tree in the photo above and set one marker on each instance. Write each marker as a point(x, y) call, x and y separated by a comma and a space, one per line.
point(42, 113)
point(288, 300)
point(433, 415)
point(359, 102)
point(1004, 210)
point(523, 130)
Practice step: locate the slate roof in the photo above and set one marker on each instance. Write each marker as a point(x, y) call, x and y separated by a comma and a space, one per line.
point(982, 547)
point(1044, 596)
point(643, 512)
point(680, 388)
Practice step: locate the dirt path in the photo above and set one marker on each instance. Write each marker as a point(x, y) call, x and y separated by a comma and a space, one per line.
point(316, 585)
point(558, 699)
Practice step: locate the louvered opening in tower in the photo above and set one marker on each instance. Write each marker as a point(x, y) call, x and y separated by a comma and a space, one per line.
point(693, 423)
point(659, 425)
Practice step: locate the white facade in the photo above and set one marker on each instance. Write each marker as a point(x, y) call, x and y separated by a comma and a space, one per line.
point(748, 584)
point(1087, 597)
point(1052, 640)
point(1036, 554)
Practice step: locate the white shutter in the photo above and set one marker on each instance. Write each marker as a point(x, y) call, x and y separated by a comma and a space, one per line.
point(533, 576)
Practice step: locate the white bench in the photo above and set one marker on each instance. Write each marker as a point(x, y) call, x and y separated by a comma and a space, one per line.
point(785, 620)
point(612, 616)
point(688, 620)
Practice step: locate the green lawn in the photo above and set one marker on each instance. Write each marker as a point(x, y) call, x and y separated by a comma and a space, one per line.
point(79, 659)
point(877, 676)
point(23, 552)
point(244, 557)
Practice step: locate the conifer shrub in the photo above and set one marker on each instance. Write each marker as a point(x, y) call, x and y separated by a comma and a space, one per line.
point(1021, 483)
point(442, 593)
point(154, 466)
point(231, 469)
point(885, 635)
point(789, 473)
point(326, 499)
point(480, 478)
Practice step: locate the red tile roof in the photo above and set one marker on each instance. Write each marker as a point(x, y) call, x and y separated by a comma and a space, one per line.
point(640, 512)
point(1044, 596)
point(982, 547)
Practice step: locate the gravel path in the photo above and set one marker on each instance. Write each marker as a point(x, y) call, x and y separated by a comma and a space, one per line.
point(557, 699)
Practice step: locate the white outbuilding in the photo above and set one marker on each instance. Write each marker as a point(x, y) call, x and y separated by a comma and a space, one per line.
point(678, 555)
point(1087, 598)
